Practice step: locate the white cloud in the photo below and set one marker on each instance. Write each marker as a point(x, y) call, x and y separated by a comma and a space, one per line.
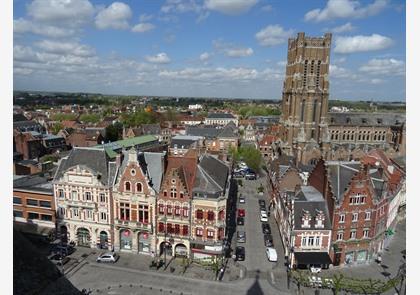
point(72, 48)
point(22, 71)
point(231, 7)
point(345, 9)
point(180, 6)
point(347, 27)
point(273, 35)
point(219, 74)
point(376, 81)
point(205, 56)
point(145, 17)
point(160, 58)
point(361, 43)
point(73, 13)
point(21, 26)
point(389, 67)
point(143, 27)
point(115, 16)
point(239, 52)
point(341, 73)
point(267, 8)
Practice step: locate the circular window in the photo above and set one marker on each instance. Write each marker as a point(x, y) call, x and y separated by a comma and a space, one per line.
point(133, 172)
point(173, 181)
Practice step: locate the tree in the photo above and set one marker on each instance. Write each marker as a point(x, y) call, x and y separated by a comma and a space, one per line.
point(89, 118)
point(56, 128)
point(114, 132)
point(251, 156)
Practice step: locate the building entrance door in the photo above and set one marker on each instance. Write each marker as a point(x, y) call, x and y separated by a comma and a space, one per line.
point(83, 237)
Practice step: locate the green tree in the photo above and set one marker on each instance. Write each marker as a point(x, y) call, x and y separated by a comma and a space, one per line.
point(56, 128)
point(90, 118)
point(63, 117)
point(114, 132)
point(251, 156)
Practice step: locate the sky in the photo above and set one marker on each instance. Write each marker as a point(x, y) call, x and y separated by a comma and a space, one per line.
point(205, 48)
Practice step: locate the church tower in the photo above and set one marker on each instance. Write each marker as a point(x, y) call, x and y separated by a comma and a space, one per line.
point(305, 91)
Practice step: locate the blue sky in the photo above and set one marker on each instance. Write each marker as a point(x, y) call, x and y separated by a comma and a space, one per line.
point(217, 48)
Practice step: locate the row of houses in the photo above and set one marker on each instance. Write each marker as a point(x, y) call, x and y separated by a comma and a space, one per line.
point(336, 212)
point(140, 202)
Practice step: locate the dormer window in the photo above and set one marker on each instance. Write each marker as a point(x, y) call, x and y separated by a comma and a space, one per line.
point(306, 219)
point(319, 219)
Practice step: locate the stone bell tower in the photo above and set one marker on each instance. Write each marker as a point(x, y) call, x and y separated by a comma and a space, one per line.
point(305, 91)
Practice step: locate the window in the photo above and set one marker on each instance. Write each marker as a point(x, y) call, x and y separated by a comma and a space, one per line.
point(32, 215)
point(199, 214)
point(127, 186)
point(210, 234)
point(74, 195)
point(61, 211)
point(31, 202)
point(210, 215)
point(317, 241)
point(366, 233)
point(339, 236)
point(169, 209)
point(139, 187)
point(177, 229)
point(17, 213)
point(143, 213)
point(88, 196)
point(17, 200)
point(221, 215)
point(367, 215)
point(177, 211)
point(342, 218)
point(60, 193)
point(199, 232)
point(310, 241)
point(161, 209)
point(185, 212)
point(353, 234)
point(46, 217)
point(89, 214)
point(355, 217)
point(45, 204)
point(102, 198)
point(104, 216)
point(161, 227)
point(170, 228)
point(124, 211)
point(133, 172)
point(76, 212)
point(181, 195)
point(303, 242)
point(173, 192)
point(165, 193)
point(185, 230)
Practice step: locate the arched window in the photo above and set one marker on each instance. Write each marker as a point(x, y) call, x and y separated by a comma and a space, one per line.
point(139, 187)
point(127, 186)
point(210, 215)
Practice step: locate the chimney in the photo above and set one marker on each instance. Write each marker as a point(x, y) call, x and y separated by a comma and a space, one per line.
point(118, 159)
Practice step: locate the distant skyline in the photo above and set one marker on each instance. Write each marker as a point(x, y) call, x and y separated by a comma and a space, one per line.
point(210, 48)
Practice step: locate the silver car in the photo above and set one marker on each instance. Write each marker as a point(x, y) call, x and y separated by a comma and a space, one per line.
point(107, 257)
point(241, 237)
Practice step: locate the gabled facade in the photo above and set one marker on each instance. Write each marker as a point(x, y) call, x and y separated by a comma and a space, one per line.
point(83, 197)
point(135, 190)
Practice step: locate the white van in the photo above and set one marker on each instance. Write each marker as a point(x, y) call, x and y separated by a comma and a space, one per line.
point(271, 254)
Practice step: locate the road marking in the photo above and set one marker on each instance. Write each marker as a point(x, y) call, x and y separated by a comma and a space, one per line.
point(272, 277)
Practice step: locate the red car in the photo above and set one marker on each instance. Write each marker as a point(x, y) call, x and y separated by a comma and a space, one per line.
point(241, 212)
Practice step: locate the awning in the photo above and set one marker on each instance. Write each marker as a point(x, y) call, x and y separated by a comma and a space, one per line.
point(307, 258)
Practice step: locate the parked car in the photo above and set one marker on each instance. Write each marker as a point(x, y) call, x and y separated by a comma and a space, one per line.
point(250, 176)
point(240, 253)
point(238, 174)
point(107, 257)
point(242, 165)
point(266, 228)
point(241, 237)
point(271, 254)
point(263, 217)
point(261, 203)
point(58, 259)
point(241, 200)
point(241, 212)
point(268, 240)
point(240, 221)
point(315, 268)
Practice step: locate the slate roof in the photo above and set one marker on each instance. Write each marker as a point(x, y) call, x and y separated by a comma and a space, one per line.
point(228, 131)
point(19, 118)
point(33, 183)
point(340, 175)
point(220, 116)
point(151, 129)
point(156, 166)
point(311, 200)
point(182, 143)
point(211, 177)
point(93, 158)
point(209, 132)
point(367, 119)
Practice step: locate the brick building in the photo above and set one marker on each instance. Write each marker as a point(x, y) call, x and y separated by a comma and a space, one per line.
point(134, 198)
